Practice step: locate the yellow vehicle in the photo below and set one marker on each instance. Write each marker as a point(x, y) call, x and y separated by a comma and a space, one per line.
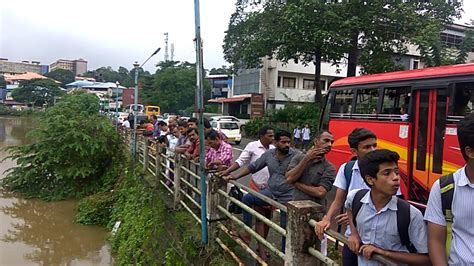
point(152, 110)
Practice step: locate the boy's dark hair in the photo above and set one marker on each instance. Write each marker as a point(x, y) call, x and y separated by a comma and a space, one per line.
point(154, 117)
point(161, 123)
point(191, 130)
point(263, 131)
point(213, 135)
point(207, 124)
point(318, 134)
point(182, 124)
point(466, 134)
point(193, 120)
point(369, 164)
point(358, 135)
point(282, 133)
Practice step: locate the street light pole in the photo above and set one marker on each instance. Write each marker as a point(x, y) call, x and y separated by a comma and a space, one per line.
point(116, 105)
point(135, 109)
point(137, 66)
point(200, 111)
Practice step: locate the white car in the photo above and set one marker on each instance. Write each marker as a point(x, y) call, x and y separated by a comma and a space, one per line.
point(240, 122)
point(230, 128)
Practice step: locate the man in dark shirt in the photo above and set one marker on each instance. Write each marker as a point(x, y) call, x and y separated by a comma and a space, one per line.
point(277, 161)
point(310, 173)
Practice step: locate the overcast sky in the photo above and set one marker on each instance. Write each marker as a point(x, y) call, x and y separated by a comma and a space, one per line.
point(116, 32)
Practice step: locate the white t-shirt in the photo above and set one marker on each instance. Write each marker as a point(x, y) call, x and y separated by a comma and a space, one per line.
point(126, 123)
point(306, 133)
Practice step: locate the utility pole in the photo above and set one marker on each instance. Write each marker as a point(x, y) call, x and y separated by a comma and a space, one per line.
point(200, 111)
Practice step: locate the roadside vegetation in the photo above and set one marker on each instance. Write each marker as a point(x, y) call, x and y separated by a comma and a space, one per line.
point(76, 152)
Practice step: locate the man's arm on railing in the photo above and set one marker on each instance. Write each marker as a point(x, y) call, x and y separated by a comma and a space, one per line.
point(313, 191)
point(437, 244)
point(336, 205)
point(243, 172)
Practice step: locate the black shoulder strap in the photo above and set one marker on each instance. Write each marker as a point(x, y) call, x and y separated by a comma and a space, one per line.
point(403, 223)
point(348, 173)
point(446, 183)
point(356, 204)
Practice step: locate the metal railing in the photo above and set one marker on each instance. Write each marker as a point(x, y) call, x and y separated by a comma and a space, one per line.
point(180, 177)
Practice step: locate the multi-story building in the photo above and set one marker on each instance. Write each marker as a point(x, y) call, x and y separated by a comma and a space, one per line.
point(78, 67)
point(282, 84)
point(220, 85)
point(15, 68)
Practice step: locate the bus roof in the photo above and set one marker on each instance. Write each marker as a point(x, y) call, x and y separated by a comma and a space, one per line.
point(423, 73)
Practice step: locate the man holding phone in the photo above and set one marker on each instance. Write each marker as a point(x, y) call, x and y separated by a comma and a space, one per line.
point(311, 174)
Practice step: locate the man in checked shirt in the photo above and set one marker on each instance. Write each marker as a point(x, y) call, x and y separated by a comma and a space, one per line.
point(219, 153)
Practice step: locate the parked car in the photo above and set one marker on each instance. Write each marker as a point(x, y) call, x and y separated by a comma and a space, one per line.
point(240, 122)
point(230, 128)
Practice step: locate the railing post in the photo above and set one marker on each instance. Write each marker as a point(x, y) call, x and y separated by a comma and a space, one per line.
point(158, 162)
point(146, 150)
point(214, 200)
point(300, 235)
point(178, 162)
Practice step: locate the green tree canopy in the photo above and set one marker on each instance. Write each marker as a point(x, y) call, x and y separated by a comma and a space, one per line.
point(73, 151)
point(173, 87)
point(37, 92)
point(223, 70)
point(125, 77)
point(61, 75)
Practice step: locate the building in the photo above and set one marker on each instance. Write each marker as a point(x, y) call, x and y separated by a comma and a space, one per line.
point(220, 85)
point(107, 92)
point(78, 67)
point(15, 68)
point(292, 83)
point(13, 81)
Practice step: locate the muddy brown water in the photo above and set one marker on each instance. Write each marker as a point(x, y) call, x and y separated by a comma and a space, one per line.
point(35, 232)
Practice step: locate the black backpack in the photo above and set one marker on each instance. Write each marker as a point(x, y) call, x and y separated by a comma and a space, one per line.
point(238, 195)
point(403, 218)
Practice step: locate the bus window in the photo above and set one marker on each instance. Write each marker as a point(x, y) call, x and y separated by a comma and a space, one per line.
point(395, 103)
point(440, 126)
point(342, 102)
point(366, 102)
point(463, 101)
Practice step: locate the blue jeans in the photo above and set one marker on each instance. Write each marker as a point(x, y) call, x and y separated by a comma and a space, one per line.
point(250, 200)
point(349, 258)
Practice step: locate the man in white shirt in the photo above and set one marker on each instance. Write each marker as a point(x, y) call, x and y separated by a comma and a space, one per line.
point(126, 123)
point(459, 208)
point(258, 180)
point(306, 132)
point(297, 136)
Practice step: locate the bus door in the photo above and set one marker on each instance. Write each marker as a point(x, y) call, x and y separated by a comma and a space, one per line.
point(430, 107)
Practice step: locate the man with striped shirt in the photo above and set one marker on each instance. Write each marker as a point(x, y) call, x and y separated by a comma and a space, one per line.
point(462, 208)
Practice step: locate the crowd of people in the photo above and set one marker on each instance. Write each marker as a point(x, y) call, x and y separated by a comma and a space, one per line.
point(367, 188)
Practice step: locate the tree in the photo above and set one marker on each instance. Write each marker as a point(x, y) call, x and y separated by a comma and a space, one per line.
point(174, 87)
point(223, 70)
point(61, 75)
point(74, 150)
point(466, 46)
point(37, 92)
point(304, 31)
point(3, 83)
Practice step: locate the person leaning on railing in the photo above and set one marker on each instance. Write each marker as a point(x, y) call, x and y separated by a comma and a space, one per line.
point(259, 180)
point(277, 161)
point(311, 173)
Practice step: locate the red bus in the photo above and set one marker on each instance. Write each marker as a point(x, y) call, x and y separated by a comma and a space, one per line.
point(412, 112)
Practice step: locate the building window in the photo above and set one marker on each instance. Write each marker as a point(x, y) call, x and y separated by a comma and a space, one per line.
point(451, 40)
point(415, 64)
point(289, 82)
point(279, 82)
point(308, 84)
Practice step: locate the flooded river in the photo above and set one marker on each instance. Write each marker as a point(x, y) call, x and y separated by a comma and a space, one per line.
point(34, 232)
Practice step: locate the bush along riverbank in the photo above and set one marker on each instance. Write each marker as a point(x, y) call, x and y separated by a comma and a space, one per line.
point(144, 231)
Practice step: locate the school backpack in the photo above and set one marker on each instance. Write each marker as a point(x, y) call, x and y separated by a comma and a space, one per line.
point(403, 218)
point(446, 184)
point(348, 172)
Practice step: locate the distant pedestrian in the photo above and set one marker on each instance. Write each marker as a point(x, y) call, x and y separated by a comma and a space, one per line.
point(126, 123)
point(297, 136)
point(306, 132)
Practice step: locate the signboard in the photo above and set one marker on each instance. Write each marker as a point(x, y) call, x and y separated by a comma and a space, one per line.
point(256, 105)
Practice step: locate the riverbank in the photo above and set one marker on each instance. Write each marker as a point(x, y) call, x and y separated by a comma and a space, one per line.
point(36, 232)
